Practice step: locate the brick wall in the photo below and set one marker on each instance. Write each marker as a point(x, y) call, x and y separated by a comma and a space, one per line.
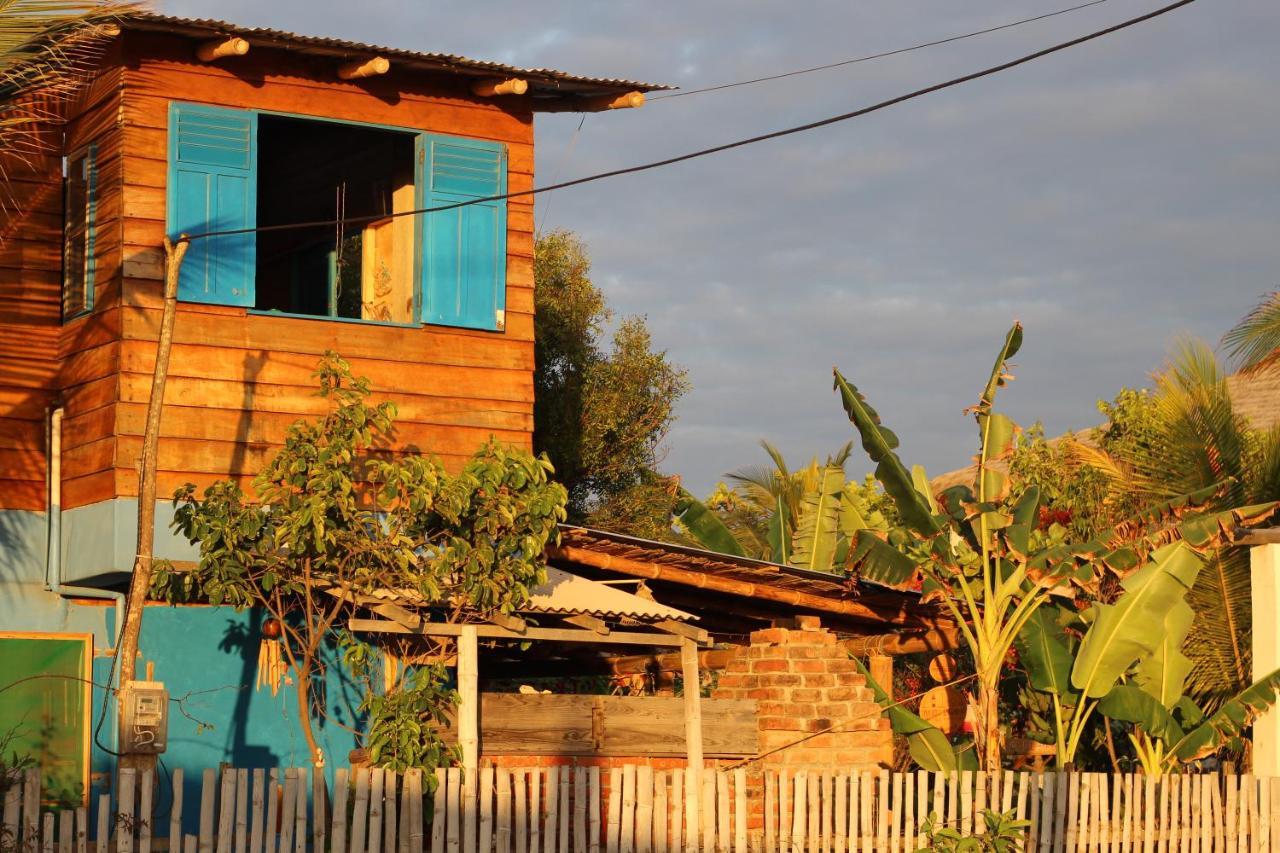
point(814, 707)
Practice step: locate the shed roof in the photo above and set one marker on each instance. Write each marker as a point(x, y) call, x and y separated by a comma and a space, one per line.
point(542, 81)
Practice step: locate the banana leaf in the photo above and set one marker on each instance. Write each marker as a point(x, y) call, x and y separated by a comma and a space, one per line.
point(1229, 721)
point(1163, 672)
point(1130, 704)
point(996, 431)
point(705, 526)
point(879, 443)
point(928, 746)
point(921, 481)
point(1123, 632)
point(1045, 650)
point(818, 530)
point(877, 560)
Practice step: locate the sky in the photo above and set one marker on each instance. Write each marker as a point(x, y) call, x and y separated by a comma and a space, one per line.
point(1112, 198)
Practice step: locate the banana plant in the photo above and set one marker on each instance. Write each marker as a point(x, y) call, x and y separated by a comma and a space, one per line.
point(928, 745)
point(979, 552)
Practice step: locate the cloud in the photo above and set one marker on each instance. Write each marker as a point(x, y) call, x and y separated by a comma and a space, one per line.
point(1110, 197)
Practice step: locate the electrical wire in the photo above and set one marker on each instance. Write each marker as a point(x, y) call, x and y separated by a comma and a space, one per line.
point(728, 146)
point(687, 92)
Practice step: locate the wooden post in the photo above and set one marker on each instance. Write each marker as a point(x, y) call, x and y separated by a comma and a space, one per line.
point(693, 738)
point(215, 49)
point(140, 583)
point(1264, 564)
point(469, 700)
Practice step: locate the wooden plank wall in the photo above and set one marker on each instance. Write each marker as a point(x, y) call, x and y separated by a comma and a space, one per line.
point(42, 360)
point(568, 724)
point(236, 379)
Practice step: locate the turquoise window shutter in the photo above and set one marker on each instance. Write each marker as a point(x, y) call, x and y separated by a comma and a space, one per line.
point(464, 250)
point(213, 186)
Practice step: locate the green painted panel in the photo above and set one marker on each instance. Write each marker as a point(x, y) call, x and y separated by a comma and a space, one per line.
point(42, 709)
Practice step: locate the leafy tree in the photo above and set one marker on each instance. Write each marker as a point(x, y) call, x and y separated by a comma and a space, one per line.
point(1187, 435)
point(602, 406)
point(46, 46)
point(1255, 341)
point(983, 556)
point(336, 516)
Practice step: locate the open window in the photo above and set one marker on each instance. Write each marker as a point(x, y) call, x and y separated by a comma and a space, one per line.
point(79, 209)
point(236, 175)
point(315, 171)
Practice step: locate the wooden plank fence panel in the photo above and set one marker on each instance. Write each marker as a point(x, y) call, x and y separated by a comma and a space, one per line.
point(390, 786)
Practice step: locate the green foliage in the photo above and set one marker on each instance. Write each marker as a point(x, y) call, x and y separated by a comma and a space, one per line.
point(402, 726)
point(333, 517)
point(601, 408)
point(999, 833)
point(928, 745)
point(1254, 342)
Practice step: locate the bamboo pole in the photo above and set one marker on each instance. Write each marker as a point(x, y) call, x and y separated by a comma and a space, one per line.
point(140, 583)
point(693, 739)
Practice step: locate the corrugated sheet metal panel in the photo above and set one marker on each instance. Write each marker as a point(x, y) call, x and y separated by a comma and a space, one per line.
point(549, 78)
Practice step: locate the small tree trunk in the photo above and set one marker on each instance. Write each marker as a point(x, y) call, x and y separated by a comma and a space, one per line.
point(304, 714)
point(988, 734)
point(140, 583)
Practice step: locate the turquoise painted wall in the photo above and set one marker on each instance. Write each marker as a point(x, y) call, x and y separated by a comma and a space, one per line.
point(207, 656)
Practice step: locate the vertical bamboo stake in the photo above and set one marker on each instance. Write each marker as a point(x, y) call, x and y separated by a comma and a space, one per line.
point(644, 809)
point(520, 786)
point(840, 830)
point(503, 833)
point(614, 829)
point(707, 803)
point(484, 839)
point(389, 841)
point(626, 842)
point(866, 799)
point(207, 796)
point(140, 583)
point(740, 809)
point(563, 846)
point(175, 813)
point(593, 816)
point(693, 738)
point(452, 828)
point(677, 811)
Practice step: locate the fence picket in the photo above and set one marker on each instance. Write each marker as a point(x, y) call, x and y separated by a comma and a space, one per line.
point(288, 805)
point(661, 812)
point(468, 791)
point(614, 827)
point(31, 809)
point(241, 811)
point(405, 834)
point(800, 812)
point(65, 833)
point(840, 828)
point(784, 811)
point(644, 809)
point(208, 796)
point(453, 818)
point(740, 810)
point(445, 813)
point(581, 783)
point(593, 816)
point(502, 825)
point(707, 803)
point(521, 825)
point(338, 829)
point(484, 835)
point(390, 787)
point(535, 811)
point(319, 804)
point(416, 829)
point(46, 835)
point(82, 830)
point(626, 841)
point(552, 802)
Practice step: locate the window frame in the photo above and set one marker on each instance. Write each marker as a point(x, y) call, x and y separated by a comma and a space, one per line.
point(421, 176)
point(88, 155)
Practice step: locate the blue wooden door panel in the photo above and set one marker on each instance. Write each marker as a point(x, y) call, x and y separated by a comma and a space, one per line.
point(213, 185)
point(464, 250)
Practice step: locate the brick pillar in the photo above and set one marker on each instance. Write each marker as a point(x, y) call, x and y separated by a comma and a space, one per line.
point(804, 683)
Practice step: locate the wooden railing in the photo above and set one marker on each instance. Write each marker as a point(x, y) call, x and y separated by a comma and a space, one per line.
point(637, 809)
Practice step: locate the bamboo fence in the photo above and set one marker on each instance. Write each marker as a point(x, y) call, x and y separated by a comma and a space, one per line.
point(639, 809)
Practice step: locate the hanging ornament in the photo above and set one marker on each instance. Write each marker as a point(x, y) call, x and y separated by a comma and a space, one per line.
point(271, 666)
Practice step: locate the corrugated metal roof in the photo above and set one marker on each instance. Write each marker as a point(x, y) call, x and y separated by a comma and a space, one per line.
point(543, 80)
point(567, 594)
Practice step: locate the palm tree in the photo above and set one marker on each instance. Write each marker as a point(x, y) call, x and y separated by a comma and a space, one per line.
point(48, 50)
point(1255, 341)
point(1201, 440)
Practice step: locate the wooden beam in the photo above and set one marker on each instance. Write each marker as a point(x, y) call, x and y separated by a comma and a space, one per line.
point(1259, 536)
point(693, 739)
point(591, 623)
point(469, 700)
point(590, 104)
point(680, 629)
point(398, 614)
point(685, 577)
point(938, 639)
point(711, 659)
point(361, 69)
point(499, 86)
point(561, 635)
point(511, 623)
point(215, 49)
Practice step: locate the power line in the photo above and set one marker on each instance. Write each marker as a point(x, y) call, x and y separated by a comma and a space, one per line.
point(680, 158)
point(686, 92)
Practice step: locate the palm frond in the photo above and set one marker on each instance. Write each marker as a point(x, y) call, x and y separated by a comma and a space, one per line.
point(1219, 645)
point(1254, 342)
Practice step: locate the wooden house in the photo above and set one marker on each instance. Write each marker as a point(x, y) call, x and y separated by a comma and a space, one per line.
point(194, 126)
point(234, 137)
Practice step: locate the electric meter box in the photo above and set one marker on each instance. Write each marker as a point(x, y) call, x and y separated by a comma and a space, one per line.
point(144, 718)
